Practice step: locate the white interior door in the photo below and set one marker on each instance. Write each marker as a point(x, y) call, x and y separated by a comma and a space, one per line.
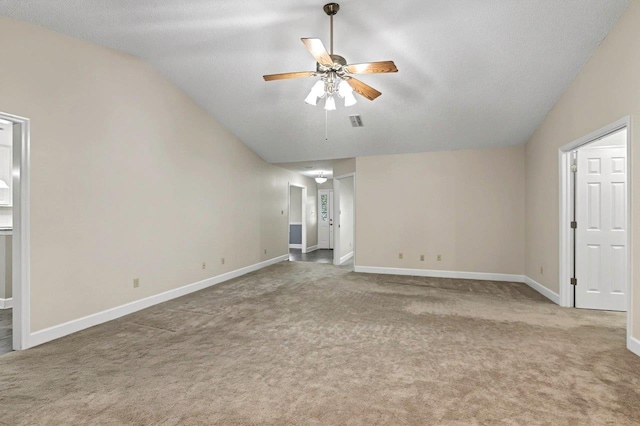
point(325, 219)
point(601, 233)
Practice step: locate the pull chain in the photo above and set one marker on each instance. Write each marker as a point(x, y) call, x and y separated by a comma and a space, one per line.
point(326, 125)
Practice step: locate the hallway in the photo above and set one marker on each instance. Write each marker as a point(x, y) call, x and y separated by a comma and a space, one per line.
point(317, 256)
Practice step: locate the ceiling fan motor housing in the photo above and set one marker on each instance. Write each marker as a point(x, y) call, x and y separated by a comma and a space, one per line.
point(338, 62)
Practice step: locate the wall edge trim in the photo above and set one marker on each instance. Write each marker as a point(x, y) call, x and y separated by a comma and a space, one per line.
point(346, 257)
point(551, 295)
point(436, 273)
point(554, 297)
point(73, 326)
point(6, 303)
point(633, 345)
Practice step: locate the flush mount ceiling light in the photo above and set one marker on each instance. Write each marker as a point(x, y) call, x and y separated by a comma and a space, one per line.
point(335, 73)
point(321, 179)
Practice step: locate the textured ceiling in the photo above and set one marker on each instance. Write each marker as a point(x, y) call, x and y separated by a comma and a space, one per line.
point(471, 73)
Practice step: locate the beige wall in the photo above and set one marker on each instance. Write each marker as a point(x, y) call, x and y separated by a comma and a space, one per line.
point(346, 215)
point(327, 185)
point(129, 178)
point(344, 166)
point(6, 138)
point(467, 206)
point(606, 90)
point(6, 279)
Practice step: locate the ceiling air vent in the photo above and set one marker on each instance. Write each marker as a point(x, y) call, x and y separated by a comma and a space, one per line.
point(356, 121)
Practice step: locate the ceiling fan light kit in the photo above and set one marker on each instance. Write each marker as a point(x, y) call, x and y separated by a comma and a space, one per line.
point(335, 74)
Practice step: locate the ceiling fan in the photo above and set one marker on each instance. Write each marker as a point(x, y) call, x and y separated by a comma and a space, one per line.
point(334, 72)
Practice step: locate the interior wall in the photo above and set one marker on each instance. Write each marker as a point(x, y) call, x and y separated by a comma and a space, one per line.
point(6, 138)
point(344, 166)
point(606, 90)
point(467, 206)
point(6, 270)
point(130, 179)
point(295, 204)
point(346, 215)
point(327, 185)
point(274, 200)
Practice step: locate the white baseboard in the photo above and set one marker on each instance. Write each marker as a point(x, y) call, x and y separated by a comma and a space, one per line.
point(6, 303)
point(296, 246)
point(440, 274)
point(633, 345)
point(312, 248)
point(57, 331)
point(553, 296)
point(346, 257)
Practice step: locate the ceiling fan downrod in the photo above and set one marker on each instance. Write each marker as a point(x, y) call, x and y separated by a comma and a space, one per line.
point(331, 9)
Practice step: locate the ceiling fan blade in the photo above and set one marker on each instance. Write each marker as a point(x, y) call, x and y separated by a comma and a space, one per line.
point(317, 49)
point(363, 89)
point(287, 75)
point(371, 67)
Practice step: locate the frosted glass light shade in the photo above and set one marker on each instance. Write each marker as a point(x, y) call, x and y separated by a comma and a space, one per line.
point(344, 89)
point(321, 179)
point(317, 91)
point(3, 184)
point(330, 104)
point(311, 98)
point(349, 99)
point(318, 88)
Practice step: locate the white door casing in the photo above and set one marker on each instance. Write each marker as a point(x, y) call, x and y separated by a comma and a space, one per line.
point(601, 234)
point(331, 234)
point(325, 219)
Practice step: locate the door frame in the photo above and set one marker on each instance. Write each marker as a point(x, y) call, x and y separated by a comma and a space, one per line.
point(566, 211)
point(21, 247)
point(336, 218)
point(303, 214)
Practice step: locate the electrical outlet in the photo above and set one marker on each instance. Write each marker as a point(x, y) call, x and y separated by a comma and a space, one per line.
point(541, 270)
point(204, 265)
point(400, 255)
point(439, 257)
point(222, 260)
point(422, 258)
point(136, 282)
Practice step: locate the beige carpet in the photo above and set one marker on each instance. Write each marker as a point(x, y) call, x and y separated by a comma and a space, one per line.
point(304, 343)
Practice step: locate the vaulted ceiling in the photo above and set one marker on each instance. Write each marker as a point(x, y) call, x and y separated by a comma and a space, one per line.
point(471, 73)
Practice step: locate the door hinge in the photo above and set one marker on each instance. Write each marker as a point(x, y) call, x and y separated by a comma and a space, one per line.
point(574, 168)
point(574, 224)
point(574, 281)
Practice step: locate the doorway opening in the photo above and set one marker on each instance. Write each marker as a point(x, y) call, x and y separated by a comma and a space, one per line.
point(297, 224)
point(595, 220)
point(344, 219)
point(14, 233)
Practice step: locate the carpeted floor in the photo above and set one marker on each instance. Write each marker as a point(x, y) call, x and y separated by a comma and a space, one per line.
point(307, 343)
